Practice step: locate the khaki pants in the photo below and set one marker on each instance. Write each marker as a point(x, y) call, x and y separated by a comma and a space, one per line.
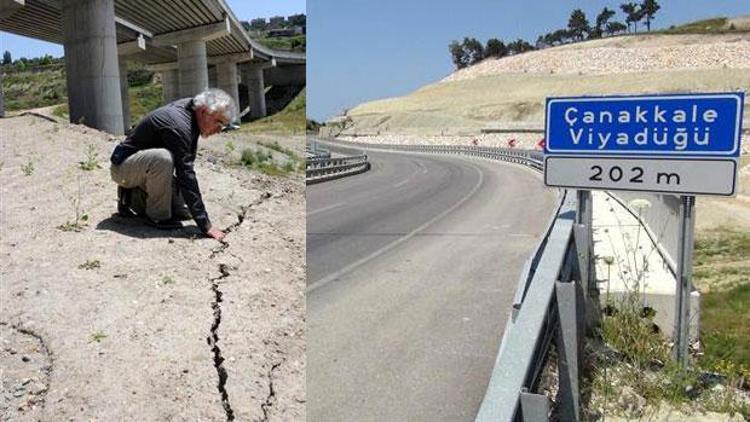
point(152, 171)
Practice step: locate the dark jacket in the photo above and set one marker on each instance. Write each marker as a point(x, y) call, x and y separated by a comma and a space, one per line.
point(175, 128)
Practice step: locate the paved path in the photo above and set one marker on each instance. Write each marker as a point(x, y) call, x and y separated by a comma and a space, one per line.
point(411, 271)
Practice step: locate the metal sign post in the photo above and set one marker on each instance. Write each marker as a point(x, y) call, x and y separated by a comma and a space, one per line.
point(685, 279)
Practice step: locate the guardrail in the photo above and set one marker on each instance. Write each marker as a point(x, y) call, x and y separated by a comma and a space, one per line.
point(320, 169)
point(553, 294)
point(555, 288)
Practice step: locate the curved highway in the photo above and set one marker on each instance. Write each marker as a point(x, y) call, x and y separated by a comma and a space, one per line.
point(411, 271)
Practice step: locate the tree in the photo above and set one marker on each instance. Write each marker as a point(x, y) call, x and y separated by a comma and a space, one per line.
point(560, 36)
point(615, 28)
point(495, 48)
point(633, 14)
point(6, 57)
point(601, 22)
point(276, 22)
point(297, 20)
point(648, 10)
point(578, 24)
point(458, 55)
point(258, 24)
point(519, 46)
point(474, 50)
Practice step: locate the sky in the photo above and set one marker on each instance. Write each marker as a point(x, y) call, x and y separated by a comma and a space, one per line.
point(243, 9)
point(361, 50)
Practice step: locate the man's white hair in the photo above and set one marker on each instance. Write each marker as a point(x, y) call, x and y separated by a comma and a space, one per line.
point(216, 101)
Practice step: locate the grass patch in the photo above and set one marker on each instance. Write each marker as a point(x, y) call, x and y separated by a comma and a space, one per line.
point(144, 99)
point(296, 43)
point(721, 271)
point(34, 88)
point(635, 375)
point(47, 87)
point(725, 331)
point(290, 120)
point(90, 265)
point(263, 161)
point(705, 26)
point(276, 147)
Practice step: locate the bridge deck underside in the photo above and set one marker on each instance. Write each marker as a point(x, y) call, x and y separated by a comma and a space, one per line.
point(41, 19)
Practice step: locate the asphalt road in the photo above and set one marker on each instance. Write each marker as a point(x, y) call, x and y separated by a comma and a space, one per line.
point(411, 271)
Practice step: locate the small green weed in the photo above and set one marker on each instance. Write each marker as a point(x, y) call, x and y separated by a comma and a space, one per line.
point(167, 280)
point(92, 159)
point(81, 217)
point(229, 148)
point(28, 168)
point(90, 264)
point(97, 337)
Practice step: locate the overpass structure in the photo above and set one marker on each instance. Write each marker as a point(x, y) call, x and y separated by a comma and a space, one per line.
point(188, 41)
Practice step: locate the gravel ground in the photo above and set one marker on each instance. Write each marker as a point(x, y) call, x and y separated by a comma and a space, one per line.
point(625, 54)
point(117, 321)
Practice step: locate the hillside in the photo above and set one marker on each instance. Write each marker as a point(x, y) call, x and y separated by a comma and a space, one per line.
point(509, 93)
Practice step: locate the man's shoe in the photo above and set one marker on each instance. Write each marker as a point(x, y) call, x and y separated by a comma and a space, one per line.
point(123, 203)
point(170, 224)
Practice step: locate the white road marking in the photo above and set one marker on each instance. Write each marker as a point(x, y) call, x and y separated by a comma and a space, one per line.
point(330, 207)
point(331, 277)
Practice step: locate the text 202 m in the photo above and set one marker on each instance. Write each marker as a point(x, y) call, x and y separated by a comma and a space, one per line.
point(617, 174)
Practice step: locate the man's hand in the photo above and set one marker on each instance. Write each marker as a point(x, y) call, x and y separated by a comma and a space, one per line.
point(216, 234)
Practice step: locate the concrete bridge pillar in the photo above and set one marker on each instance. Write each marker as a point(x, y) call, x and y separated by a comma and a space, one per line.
point(227, 81)
point(212, 82)
point(252, 77)
point(124, 94)
point(170, 85)
point(193, 68)
point(91, 64)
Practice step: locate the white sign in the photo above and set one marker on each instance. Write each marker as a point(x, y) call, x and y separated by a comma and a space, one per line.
point(686, 176)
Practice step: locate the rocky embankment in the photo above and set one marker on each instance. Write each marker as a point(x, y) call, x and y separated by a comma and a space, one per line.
point(499, 100)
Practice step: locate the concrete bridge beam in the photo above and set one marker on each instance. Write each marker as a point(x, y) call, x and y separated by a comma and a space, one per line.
point(252, 77)
point(226, 74)
point(91, 65)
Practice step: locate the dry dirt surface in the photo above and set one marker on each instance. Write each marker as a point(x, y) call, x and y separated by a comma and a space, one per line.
point(111, 320)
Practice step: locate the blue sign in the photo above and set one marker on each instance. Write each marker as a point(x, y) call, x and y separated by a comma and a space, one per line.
point(695, 125)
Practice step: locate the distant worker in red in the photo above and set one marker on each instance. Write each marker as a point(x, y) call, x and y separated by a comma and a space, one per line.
point(153, 166)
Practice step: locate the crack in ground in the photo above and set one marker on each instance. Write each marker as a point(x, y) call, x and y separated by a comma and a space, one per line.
point(240, 219)
point(271, 399)
point(46, 369)
point(245, 209)
point(213, 342)
point(213, 338)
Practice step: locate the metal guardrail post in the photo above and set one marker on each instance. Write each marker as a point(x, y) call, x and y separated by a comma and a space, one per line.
point(587, 266)
point(568, 350)
point(534, 407)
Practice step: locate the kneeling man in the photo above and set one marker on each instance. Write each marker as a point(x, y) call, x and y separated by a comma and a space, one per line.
point(153, 166)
